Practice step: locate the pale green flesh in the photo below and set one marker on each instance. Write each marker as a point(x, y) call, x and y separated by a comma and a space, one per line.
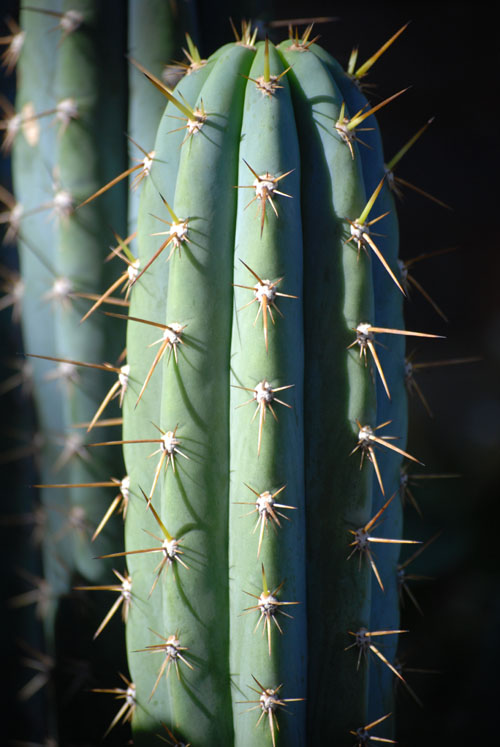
point(268, 144)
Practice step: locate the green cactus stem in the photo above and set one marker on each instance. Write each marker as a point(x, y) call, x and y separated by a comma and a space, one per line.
point(297, 242)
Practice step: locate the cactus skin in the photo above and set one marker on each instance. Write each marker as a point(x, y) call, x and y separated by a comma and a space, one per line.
point(148, 302)
point(83, 167)
point(269, 143)
point(33, 187)
point(338, 392)
point(198, 395)
point(388, 312)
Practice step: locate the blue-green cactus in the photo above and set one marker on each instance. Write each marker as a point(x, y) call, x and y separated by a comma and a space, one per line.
point(257, 393)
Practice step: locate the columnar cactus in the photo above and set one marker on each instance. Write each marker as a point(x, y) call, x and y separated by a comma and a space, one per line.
point(263, 276)
point(260, 414)
point(57, 159)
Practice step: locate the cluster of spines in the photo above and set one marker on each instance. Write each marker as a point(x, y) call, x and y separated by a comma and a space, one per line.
point(263, 395)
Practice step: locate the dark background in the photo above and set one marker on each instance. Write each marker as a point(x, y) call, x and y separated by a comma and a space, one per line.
point(448, 55)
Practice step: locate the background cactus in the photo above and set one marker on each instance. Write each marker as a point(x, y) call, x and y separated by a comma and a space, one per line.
point(287, 307)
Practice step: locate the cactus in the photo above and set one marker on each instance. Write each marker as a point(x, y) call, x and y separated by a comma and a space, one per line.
point(262, 119)
point(55, 164)
point(259, 411)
